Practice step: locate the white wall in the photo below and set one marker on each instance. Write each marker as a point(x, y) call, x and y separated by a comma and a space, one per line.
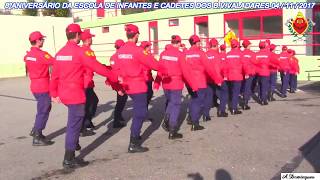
point(15, 32)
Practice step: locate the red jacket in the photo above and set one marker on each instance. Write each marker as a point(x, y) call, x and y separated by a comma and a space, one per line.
point(224, 65)
point(37, 62)
point(248, 62)
point(147, 70)
point(274, 62)
point(130, 62)
point(263, 59)
point(284, 64)
point(67, 80)
point(215, 61)
point(88, 75)
point(200, 67)
point(294, 64)
point(173, 60)
point(234, 65)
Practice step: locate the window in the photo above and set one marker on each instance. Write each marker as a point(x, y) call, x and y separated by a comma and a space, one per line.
point(272, 25)
point(105, 29)
point(234, 25)
point(251, 27)
point(173, 22)
point(259, 24)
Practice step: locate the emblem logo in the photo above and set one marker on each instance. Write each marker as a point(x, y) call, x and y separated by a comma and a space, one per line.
point(299, 27)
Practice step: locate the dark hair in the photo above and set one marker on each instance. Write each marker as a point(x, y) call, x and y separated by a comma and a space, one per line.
point(215, 46)
point(72, 35)
point(130, 35)
point(191, 42)
point(33, 42)
point(173, 40)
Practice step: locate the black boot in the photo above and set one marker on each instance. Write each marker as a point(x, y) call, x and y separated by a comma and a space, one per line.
point(234, 112)
point(272, 97)
point(206, 118)
point(32, 132)
point(90, 126)
point(70, 162)
point(173, 134)
point(196, 127)
point(246, 107)
point(222, 114)
point(165, 123)
point(118, 124)
point(84, 132)
point(78, 148)
point(135, 146)
point(40, 140)
point(189, 122)
point(265, 102)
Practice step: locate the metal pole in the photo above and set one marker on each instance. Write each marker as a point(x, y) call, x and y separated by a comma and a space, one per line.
point(54, 40)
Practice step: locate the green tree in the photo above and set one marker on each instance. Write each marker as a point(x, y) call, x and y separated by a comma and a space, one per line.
point(30, 12)
point(57, 12)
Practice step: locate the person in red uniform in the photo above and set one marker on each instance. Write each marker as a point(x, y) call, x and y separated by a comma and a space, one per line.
point(173, 83)
point(131, 61)
point(215, 62)
point(67, 86)
point(222, 91)
point(119, 121)
point(274, 64)
point(146, 46)
point(284, 68)
point(92, 99)
point(234, 75)
point(37, 64)
point(263, 62)
point(249, 70)
point(294, 71)
point(199, 65)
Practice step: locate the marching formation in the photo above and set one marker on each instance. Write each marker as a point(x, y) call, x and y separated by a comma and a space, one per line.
point(215, 78)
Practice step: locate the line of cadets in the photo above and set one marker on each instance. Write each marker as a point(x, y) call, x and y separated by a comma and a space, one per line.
point(208, 76)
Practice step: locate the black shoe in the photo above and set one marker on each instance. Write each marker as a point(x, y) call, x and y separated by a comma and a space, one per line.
point(135, 146)
point(40, 140)
point(70, 162)
point(222, 114)
point(84, 132)
point(31, 132)
point(196, 127)
point(206, 118)
point(165, 123)
point(264, 103)
point(234, 112)
point(271, 97)
point(291, 91)
point(246, 107)
point(189, 122)
point(175, 135)
point(78, 148)
point(90, 126)
point(118, 124)
point(283, 96)
point(122, 119)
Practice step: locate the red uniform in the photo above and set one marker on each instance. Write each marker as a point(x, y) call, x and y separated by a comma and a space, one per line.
point(274, 62)
point(263, 62)
point(224, 66)
point(234, 65)
point(174, 61)
point(147, 70)
point(132, 64)
point(68, 73)
point(294, 66)
point(38, 62)
point(284, 63)
point(199, 65)
point(88, 76)
point(248, 62)
point(215, 61)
